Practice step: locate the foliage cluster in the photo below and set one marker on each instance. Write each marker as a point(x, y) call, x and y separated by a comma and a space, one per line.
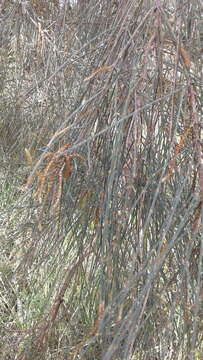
point(101, 175)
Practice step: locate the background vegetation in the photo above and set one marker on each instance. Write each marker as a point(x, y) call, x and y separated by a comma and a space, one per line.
point(101, 175)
